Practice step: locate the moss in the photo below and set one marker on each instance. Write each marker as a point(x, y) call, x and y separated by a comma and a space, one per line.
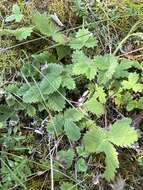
point(9, 59)
point(61, 7)
point(38, 182)
point(5, 6)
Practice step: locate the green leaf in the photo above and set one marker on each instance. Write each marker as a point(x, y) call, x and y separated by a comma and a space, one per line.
point(20, 33)
point(66, 157)
point(50, 84)
point(31, 111)
point(60, 38)
point(122, 68)
point(44, 57)
point(112, 65)
point(84, 65)
point(47, 27)
point(16, 14)
point(32, 95)
point(81, 165)
point(56, 124)
point(67, 186)
point(94, 106)
point(107, 66)
point(63, 51)
point(67, 80)
point(94, 139)
point(73, 114)
point(56, 102)
point(12, 88)
point(100, 140)
point(119, 128)
point(23, 33)
point(82, 152)
point(1, 125)
point(111, 160)
point(132, 83)
point(100, 94)
point(83, 38)
point(44, 24)
point(53, 69)
point(72, 130)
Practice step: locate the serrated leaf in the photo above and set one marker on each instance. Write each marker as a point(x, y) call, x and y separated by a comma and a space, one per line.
point(21, 91)
point(67, 186)
point(20, 33)
point(73, 114)
point(96, 141)
point(122, 68)
point(50, 84)
point(111, 160)
point(81, 165)
point(16, 14)
point(107, 66)
point(72, 130)
point(56, 102)
point(100, 140)
point(55, 69)
point(100, 94)
point(63, 51)
point(112, 65)
point(132, 83)
point(94, 106)
point(93, 139)
point(31, 111)
point(82, 152)
point(32, 95)
point(12, 88)
point(46, 26)
point(84, 65)
point(83, 38)
point(119, 128)
point(66, 157)
point(68, 82)
point(56, 124)
point(44, 57)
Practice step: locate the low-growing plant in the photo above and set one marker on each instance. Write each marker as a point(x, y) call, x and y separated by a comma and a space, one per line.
point(43, 87)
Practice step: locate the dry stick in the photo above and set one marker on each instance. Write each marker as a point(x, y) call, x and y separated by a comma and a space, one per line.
point(133, 51)
point(124, 40)
point(20, 44)
point(51, 164)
